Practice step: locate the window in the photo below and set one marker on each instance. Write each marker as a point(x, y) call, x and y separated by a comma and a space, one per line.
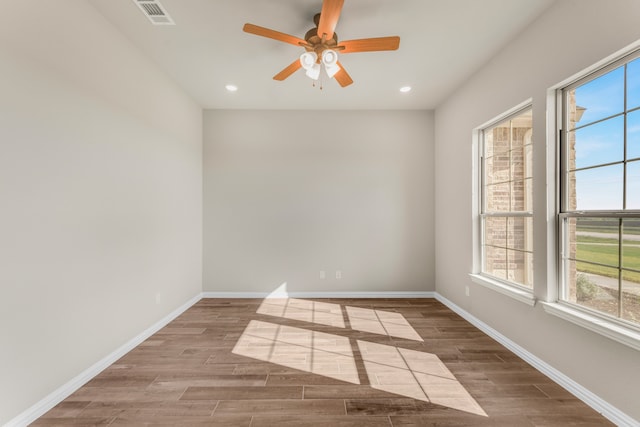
point(506, 219)
point(600, 193)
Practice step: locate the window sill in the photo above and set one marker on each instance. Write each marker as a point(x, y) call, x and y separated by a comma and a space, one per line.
point(595, 324)
point(510, 291)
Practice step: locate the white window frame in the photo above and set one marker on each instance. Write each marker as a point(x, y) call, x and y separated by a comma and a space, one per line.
point(511, 289)
point(616, 329)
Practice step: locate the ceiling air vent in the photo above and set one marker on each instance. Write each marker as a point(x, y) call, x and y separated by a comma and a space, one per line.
point(156, 13)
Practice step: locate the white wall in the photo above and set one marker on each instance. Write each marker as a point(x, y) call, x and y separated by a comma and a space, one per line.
point(569, 37)
point(100, 195)
point(290, 193)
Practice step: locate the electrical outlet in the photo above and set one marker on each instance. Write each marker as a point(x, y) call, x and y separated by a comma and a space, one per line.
point(338, 274)
point(158, 298)
point(466, 290)
point(322, 274)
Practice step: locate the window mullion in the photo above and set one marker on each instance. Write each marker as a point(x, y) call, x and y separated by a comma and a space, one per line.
point(624, 136)
point(620, 234)
point(526, 214)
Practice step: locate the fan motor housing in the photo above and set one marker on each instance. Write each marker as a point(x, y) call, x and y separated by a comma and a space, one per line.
point(316, 44)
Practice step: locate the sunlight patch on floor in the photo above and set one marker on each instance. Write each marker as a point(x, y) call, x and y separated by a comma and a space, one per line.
point(309, 351)
point(322, 313)
point(410, 373)
point(415, 374)
point(381, 322)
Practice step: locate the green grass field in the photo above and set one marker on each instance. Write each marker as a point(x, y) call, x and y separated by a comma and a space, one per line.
point(631, 226)
point(605, 251)
point(601, 229)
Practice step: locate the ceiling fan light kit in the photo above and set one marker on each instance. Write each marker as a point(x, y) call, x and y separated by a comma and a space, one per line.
point(309, 61)
point(313, 72)
point(329, 58)
point(321, 45)
point(330, 61)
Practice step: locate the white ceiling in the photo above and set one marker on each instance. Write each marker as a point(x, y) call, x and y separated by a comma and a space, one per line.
point(443, 42)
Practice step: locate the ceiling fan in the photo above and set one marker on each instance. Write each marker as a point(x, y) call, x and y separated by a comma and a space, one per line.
point(322, 46)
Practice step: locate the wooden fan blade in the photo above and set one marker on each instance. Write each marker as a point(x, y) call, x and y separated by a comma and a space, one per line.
point(329, 16)
point(370, 45)
point(272, 34)
point(291, 68)
point(342, 77)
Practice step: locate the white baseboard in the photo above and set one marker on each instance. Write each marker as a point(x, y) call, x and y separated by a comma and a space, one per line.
point(426, 294)
point(609, 411)
point(62, 392)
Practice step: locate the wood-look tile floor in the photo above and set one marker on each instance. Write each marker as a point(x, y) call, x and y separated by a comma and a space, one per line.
point(337, 362)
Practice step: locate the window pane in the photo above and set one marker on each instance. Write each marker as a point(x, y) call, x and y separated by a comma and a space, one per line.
point(520, 233)
point(591, 284)
point(521, 129)
point(633, 84)
point(497, 197)
point(570, 189)
point(570, 238)
point(521, 145)
point(633, 185)
point(598, 188)
point(528, 276)
point(495, 231)
point(600, 98)
point(522, 162)
point(528, 161)
point(487, 137)
point(517, 163)
point(599, 143)
point(568, 291)
point(631, 296)
point(521, 194)
point(602, 228)
point(495, 261)
point(633, 135)
point(520, 267)
point(497, 169)
point(497, 141)
point(597, 241)
point(597, 290)
point(631, 246)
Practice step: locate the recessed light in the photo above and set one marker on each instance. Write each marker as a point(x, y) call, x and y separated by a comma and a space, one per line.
point(231, 88)
point(405, 89)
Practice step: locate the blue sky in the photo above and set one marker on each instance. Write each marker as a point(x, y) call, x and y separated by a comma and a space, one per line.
point(601, 188)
